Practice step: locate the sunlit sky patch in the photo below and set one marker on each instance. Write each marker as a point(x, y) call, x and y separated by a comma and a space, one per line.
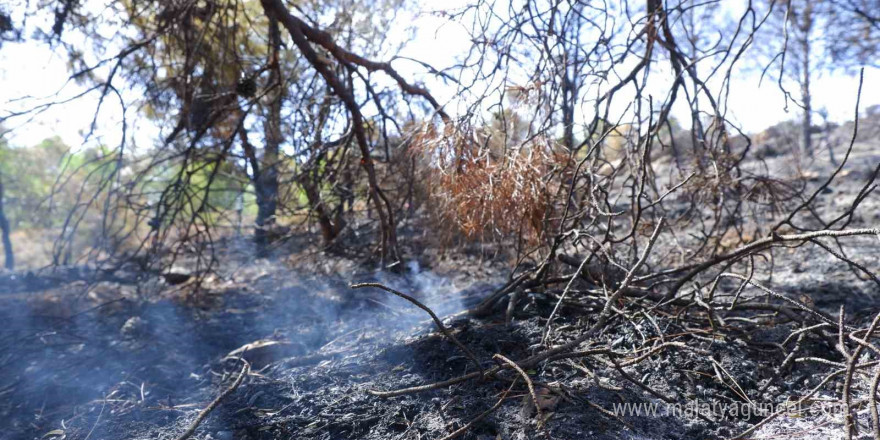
point(32, 72)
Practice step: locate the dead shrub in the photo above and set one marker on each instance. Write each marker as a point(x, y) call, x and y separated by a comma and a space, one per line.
point(480, 187)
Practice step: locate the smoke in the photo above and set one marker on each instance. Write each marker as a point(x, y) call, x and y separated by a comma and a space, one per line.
point(72, 347)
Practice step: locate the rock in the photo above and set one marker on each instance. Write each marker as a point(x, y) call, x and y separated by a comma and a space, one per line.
point(265, 351)
point(134, 327)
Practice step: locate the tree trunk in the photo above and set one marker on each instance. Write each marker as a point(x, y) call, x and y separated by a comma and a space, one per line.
point(266, 184)
point(831, 152)
point(4, 228)
point(568, 98)
point(571, 86)
point(329, 229)
point(807, 123)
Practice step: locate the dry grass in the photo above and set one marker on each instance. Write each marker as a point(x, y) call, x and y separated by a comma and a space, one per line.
point(480, 187)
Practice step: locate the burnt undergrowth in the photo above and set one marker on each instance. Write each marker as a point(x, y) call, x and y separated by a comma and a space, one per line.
point(581, 242)
point(135, 368)
point(591, 338)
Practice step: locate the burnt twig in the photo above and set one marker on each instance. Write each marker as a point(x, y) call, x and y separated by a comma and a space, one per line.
point(437, 320)
point(204, 413)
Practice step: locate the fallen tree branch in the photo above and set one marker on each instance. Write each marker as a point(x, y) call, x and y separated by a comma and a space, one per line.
point(759, 245)
point(204, 413)
point(817, 314)
point(430, 386)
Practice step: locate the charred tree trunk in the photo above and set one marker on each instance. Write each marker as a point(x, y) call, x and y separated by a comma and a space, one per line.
point(569, 95)
point(5, 230)
point(329, 228)
point(266, 183)
point(571, 85)
point(310, 181)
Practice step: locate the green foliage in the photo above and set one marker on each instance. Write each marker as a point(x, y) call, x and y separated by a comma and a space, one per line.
point(45, 181)
point(28, 175)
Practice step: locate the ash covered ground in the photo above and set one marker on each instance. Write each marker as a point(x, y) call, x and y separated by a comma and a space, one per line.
point(116, 356)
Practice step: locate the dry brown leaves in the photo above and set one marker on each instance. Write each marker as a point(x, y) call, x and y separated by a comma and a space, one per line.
point(483, 187)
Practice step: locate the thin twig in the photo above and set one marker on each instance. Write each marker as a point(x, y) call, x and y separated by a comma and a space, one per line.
point(482, 415)
point(204, 413)
point(437, 320)
point(529, 384)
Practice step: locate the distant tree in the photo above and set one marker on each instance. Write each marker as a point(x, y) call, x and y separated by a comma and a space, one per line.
point(30, 173)
point(853, 32)
point(819, 36)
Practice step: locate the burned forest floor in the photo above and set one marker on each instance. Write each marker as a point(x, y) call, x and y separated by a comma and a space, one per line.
point(118, 367)
point(127, 355)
